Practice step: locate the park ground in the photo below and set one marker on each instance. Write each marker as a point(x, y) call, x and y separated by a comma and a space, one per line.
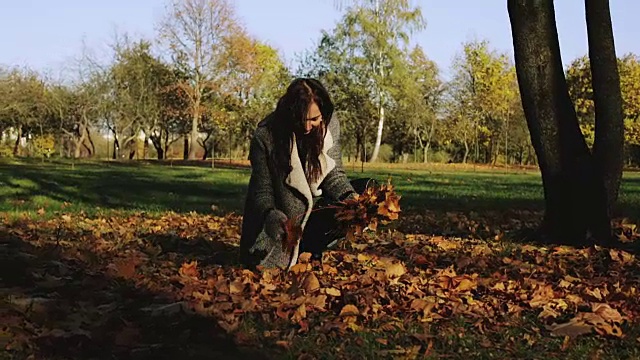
point(138, 260)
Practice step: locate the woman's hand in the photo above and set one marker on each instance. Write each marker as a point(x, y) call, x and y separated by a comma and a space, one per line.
point(274, 224)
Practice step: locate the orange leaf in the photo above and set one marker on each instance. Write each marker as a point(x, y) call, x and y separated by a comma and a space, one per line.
point(349, 310)
point(304, 258)
point(293, 233)
point(189, 269)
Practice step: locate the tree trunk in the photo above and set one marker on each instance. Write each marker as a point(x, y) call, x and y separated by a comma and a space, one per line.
point(16, 146)
point(116, 147)
point(156, 141)
point(133, 148)
point(195, 120)
point(185, 148)
point(145, 146)
point(77, 151)
point(92, 147)
point(466, 152)
point(608, 147)
point(376, 148)
point(574, 198)
point(425, 153)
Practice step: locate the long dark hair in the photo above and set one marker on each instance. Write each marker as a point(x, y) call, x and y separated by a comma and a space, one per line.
point(290, 117)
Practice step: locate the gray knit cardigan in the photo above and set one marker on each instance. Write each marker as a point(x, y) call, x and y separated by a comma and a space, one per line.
point(292, 195)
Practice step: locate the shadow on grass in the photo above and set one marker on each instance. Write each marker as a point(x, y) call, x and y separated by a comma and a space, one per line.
point(159, 186)
point(58, 306)
point(117, 186)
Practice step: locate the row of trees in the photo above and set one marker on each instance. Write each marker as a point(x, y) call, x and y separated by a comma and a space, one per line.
point(198, 90)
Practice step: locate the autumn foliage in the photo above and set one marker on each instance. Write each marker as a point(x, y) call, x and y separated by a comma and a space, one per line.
point(376, 205)
point(85, 283)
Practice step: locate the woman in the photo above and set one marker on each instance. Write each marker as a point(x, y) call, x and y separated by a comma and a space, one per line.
point(295, 158)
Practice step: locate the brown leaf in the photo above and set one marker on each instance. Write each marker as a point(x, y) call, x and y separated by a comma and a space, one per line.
point(382, 341)
point(319, 302)
point(420, 260)
point(300, 268)
point(311, 283)
point(606, 312)
point(349, 310)
point(125, 268)
point(293, 234)
point(574, 328)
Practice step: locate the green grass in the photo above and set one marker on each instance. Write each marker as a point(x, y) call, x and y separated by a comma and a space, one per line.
point(100, 186)
point(93, 186)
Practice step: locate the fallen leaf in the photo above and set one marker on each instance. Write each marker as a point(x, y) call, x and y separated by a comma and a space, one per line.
point(395, 270)
point(606, 312)
point(349, 310)
point(573, 328)
point(304, 258)
point(332, 292)
point(189, 269)
point(311, 283)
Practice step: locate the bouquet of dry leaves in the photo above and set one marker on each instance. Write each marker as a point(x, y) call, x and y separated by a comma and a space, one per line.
point(377, 205)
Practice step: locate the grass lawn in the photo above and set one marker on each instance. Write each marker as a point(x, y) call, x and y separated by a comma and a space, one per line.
point(102, 255)
point(100, 186)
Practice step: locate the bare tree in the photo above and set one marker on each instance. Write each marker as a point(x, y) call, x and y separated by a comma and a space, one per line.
point(194, 31)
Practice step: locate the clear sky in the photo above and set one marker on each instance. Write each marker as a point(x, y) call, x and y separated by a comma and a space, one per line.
point(45, 34)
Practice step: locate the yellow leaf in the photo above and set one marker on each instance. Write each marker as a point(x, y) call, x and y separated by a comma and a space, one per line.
point(299, 314)
point(363, 257)
point(395, 270)
point(332, 291)
point(466, 284)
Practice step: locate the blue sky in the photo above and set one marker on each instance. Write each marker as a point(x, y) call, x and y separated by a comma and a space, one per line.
point(45, 34)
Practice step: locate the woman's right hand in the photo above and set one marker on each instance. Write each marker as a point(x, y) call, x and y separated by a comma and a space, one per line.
point(275, 224)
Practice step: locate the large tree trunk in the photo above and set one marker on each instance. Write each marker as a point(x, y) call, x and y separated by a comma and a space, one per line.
point(575, 200)
point(608, 148)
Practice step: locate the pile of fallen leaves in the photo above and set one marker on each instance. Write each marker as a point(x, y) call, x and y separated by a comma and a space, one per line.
point(146, 286)
point(430, 279)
